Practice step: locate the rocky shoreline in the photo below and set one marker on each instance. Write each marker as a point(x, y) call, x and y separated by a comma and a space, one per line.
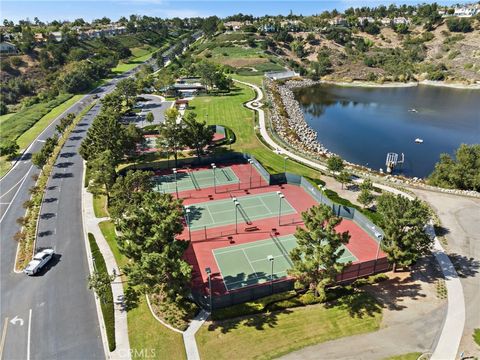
point(289, 124)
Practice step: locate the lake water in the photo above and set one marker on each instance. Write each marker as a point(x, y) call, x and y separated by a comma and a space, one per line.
point(363, 124)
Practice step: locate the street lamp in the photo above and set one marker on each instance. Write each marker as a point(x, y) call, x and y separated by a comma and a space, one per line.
point(187, 210)
point(230, 143)
point(236, 203)
point(250, 161)
point(280, 196)
point(271, 259)
point(379, 236)
point(175, 175)
point(322, 189)
point(209, 272)
point(285, 163)
point(94, 266)
point(214, 177)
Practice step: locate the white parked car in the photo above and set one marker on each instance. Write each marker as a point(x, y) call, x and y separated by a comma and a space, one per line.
point(39, 261)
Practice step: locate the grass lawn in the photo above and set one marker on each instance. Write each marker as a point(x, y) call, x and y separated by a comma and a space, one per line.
point(253, 79)
point(270, 335)
point(144, 331)
point(5, 117)
point(228, 110)
point(133, 61)
point(28, 136)
point(409, 356)
point(100, 206)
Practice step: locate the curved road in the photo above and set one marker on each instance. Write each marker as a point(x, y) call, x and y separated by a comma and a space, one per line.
point(52, 315)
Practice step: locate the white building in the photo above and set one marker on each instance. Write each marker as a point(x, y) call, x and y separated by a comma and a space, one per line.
point(57, 35)
point(465, 11)
point(8, 48)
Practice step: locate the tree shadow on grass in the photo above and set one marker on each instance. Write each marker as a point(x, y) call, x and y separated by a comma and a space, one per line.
point(258, 321)
point(358, 305)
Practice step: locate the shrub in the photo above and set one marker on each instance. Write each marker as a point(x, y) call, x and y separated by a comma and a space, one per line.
point(459, 25)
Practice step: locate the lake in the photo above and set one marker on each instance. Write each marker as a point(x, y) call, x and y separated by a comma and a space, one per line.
point(363, 124)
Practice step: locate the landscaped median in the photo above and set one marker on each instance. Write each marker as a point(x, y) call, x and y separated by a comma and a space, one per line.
point(106, 303)
point(27, 235)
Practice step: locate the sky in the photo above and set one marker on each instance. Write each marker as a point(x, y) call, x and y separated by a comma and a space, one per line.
point(92, 9)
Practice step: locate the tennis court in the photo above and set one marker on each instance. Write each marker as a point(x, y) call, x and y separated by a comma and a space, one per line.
point(195, 180)
point(248, 264)
point(225, 212)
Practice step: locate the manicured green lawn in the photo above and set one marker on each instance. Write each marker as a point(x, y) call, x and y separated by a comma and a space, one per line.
point(228, 110)
point(254, 79)
point(5, 165)
point(270, 335)
point(28, 136)
point(147, 334)
point(100, 206)
point(5, 117)
point(409, 356)
point(144, 331)
point(133, 61)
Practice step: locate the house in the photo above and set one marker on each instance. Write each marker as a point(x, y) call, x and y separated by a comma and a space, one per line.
point(365, 20)
point(268, 28)
point(386, 21)
point(39, 37)
point(401, 21)
point(338, 21)
point(233, 25)
point(57, 35)
point(465, 11)
point(281, 75)
point(181, 104)
point(8, 48)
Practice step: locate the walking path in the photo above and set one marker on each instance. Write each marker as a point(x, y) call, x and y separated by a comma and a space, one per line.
point(447, 346)
point(122, 350)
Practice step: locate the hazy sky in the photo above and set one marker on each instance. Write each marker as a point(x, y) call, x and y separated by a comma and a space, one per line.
point(92, 9)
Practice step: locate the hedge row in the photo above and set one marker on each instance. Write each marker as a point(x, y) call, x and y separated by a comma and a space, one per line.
point(292, 299)
point(107, 305)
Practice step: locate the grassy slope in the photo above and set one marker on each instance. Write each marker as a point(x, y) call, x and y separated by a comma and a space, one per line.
point(28, 136)
point(5, 117)
point(277, 334)
point(228, 110)
point(133, 61)
point(145, 333)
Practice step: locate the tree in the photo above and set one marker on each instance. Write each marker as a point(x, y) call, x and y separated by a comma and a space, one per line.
point(459, 25)
point(127, 89)
point(149, 117)
point(102, 174)
point(366, 184)
point(403, 222)
point(39, 159)
point(171, 134)
point(149, 239)
point(344, 177)
point(128, 191)
point(9, 148)
point(335, 163)
point(460, 173)
point(101, 284)
point(198, 134)
point(319, 250)
point(365, 198)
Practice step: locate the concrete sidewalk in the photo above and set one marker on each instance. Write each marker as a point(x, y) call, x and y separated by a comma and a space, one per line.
point(122, 350)
point(449, 341)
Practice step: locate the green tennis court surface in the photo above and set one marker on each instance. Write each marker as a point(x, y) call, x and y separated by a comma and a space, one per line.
point(248, 264)
point(252, 207)
point(195, 180)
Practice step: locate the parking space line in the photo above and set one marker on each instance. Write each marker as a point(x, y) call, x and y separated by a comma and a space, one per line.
point(4, 335)
point(28, 334)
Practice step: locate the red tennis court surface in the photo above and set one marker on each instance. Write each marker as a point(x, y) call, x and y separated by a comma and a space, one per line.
point(199, 253)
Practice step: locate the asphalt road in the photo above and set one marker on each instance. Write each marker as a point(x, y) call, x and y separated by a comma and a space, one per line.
point(52, 315)
point(153, 104)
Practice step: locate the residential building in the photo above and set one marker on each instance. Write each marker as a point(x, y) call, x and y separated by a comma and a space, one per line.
point(401, 21)
point(465, 11)
point(8, 48)
point(39, 37)
point(338, 21)
point(57, 35)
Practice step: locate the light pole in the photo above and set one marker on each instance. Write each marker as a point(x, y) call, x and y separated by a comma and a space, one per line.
point(250, 161)
point(230, 143)
point(285, 164)
point(322, 189)
point(187, 210)
point(94, 265)
point(378, 253)
point(209, 272)
point(271, 259)
point(175, 175)
point(236, 203)
point(214, 177)
point(280, 196)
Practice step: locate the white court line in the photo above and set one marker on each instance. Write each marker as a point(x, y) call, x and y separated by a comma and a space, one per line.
point(264, 242)
point(16, 193)
point(246, 256)
point(29, 332)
